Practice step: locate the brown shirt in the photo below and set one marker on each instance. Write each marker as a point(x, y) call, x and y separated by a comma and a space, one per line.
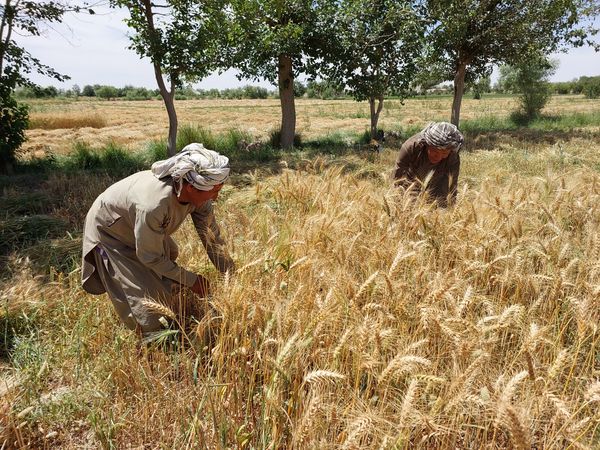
point(413, 168)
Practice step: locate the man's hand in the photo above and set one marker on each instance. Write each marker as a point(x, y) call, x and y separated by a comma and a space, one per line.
point(201, 287)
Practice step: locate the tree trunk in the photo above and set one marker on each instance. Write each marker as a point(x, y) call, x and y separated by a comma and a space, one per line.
point(286, 97)
point(6, 167)
point(375, 114)
point(169, 100)
point(168, 97)
point(7, 21)
point(459, 89)
point(170, 105)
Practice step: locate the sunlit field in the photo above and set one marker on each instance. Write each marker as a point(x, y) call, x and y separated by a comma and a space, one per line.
point(357, 317)
point(56, 124)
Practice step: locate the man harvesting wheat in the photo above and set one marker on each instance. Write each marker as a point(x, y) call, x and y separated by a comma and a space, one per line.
point(429, 161)
point(127, 248)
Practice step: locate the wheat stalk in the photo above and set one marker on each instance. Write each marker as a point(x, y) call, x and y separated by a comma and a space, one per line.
point(159, 308)
point(323, 376)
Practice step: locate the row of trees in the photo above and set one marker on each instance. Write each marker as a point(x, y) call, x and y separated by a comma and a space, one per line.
point(138, 93)
point(588, 86)
point(369, 48)
point(312, 89)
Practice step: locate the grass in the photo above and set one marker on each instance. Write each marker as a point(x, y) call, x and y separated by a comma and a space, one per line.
point(356, 319)
point(17, 232)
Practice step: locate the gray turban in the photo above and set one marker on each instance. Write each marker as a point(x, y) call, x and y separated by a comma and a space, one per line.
point(200, 167)
point(442, 135)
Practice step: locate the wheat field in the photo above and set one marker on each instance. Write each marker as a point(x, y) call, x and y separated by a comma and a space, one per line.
point(357, 319)
point(56, 124)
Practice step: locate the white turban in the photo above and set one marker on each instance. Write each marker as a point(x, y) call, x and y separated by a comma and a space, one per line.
point(442, 135)
point(200, 167)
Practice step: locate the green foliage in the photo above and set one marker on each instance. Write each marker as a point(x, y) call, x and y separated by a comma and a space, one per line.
point(83, 157)
point(107, 92)
point(469, 36)
point(226, 143)
point(591, 86)
point(278, 40)
point(111, 158)
point(155, 151)
point(189, 134)
point(25, 18)
point(181, 39)
point(299, 88)
point(13, 123)
point(324, 90)
point(481, 86)
point(37, 92)
point(88, 91)
point(562, 88)
point(529, 79)
point(115, 158)
point(262, 30)
point(374, 48)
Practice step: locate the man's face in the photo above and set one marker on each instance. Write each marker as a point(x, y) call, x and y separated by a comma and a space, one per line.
point(435, 154)
point(198, 197)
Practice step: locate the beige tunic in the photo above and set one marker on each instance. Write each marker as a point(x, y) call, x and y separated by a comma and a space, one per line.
point(127, 248)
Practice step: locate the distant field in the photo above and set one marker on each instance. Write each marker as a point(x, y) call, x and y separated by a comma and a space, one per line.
point(56, 124)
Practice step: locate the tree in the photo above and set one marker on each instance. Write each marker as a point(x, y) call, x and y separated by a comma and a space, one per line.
point(481, 85)
point(25, 18)
point(107, 92)
point(299, 88)
point(530, 80)
point(178, 36)
point(88, 91)
point(469, 36)
point(375, 48)
point(271, 39)
point(590, 86)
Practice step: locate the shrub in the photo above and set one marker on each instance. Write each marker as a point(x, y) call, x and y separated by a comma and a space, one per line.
point(107, 92)
point(155, 151)
point(188, 134)
point(116, 158)
point(591, 87)
point(14, 120)
point(254, 92)
point(231, 140)
point(228, 142)
point(529, 78)
point(82, 157)
point(88, 91)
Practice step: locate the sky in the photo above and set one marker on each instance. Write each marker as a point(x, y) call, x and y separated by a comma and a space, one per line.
point(92, 49)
